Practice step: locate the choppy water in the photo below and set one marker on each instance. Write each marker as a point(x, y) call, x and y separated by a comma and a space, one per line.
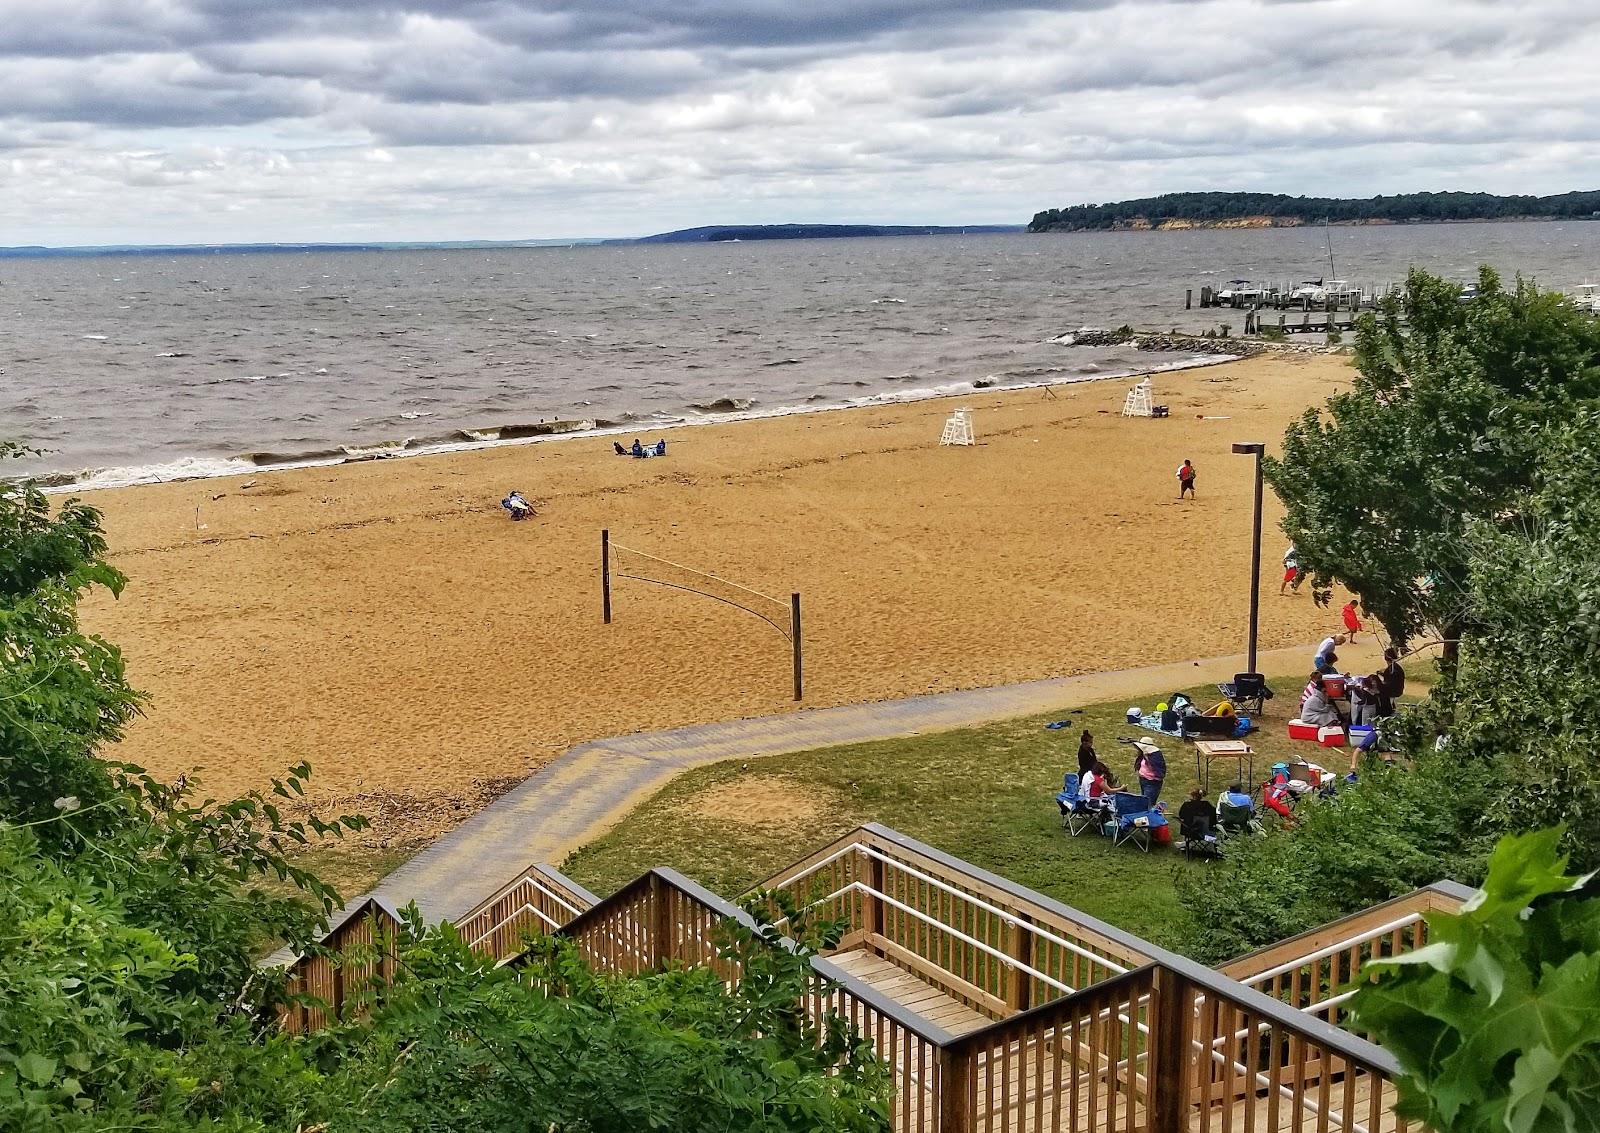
point(141, 367)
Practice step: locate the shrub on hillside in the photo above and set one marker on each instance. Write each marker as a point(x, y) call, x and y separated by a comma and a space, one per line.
point(1390, 833)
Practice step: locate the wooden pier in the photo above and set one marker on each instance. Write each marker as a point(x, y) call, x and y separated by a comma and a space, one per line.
point(1282, 297)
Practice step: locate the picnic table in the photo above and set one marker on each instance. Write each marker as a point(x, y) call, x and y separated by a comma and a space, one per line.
point(1207, 751)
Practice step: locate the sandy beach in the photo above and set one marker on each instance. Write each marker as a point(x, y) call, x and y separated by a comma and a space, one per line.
point(388, 623)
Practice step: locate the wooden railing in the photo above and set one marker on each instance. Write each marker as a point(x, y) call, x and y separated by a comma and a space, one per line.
point(1140, 1041)
point(358, 949)
point(986, 942)
point(1316, 970)
point(665, 919)
point(538, 900)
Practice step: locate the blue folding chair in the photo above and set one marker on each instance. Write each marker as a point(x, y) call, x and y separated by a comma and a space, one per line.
point(1130, 818)
point(1076, 813)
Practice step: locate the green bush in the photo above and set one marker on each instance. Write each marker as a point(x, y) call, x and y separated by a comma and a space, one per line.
point(1393, 831)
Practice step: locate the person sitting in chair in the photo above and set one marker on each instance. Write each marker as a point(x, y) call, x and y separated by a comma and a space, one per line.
point(1276, 795)
point(1315, 706)
point(1235, 797)
point(516, 506)
point(1197, 818)
point(661, 447)
point(1098, 783)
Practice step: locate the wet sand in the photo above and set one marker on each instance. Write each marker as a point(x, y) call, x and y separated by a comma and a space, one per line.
point(388, 623)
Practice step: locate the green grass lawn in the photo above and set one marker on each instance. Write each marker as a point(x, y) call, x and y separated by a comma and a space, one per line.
point(984, 794)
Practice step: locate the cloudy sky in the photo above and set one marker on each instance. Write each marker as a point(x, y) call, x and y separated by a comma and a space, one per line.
point(214, 120)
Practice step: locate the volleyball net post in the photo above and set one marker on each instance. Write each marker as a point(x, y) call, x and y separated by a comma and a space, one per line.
point(605, 574)
point(618, 562)
point(794, 641)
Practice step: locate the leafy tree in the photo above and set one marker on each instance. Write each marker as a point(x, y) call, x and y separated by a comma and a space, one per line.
point(1442, 427)
point(62, 692)
point(1313, 210)
point(1496, 1021)
point(1527, 697)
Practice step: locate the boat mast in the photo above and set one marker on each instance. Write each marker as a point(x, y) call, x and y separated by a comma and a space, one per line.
point(1327, 230)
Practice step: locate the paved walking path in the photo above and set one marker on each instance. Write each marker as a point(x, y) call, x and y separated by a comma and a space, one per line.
point(587, 790)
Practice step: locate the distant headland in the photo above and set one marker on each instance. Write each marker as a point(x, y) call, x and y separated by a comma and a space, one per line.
point(710, 234)
point(724, 233)
point(1172, 211)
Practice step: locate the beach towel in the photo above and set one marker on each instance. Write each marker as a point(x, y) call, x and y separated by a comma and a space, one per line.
point(1153, 724)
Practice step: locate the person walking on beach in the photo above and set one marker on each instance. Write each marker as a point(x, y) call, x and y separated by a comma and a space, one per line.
point(1352, 619)
point(1291, 571)
point(1186, 479)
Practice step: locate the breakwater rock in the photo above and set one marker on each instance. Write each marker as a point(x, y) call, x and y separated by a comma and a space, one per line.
point(1167, 342)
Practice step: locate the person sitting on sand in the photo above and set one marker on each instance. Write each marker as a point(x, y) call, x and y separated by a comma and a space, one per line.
point(1186, 479)
point(516, 506)
point(1315, 706)
point(638, 449)
point(661, 447)
point(618, 446)
point(1197, 818)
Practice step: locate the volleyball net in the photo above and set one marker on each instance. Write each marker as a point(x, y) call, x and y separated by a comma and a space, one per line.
point(620, 563)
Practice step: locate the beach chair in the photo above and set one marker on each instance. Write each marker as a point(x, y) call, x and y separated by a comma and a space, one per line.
point(1201, 845)
point(1130, 820)
point(1232, 820)
point(1077, 814)
point(1247, 692)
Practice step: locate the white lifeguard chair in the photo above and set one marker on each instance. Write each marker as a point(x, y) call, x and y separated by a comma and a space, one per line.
point(1140, 401)
point(958, 429)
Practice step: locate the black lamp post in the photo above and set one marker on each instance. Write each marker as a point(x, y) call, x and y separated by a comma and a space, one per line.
point(1258, 449)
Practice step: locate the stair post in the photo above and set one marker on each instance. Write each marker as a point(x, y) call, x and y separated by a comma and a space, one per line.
point(1019, 992)
point(875, 882)
point(660, 922)
point(955, 1081)
point(1171, 1011)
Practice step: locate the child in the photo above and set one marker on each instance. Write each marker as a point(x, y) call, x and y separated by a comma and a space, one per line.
point(1291, 571)
point(1186, 479)
point(1352, 620)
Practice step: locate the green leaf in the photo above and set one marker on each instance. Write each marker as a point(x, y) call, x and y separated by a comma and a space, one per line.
point(36, 1068)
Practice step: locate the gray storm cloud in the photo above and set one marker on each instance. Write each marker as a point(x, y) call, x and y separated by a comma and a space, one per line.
point(337, 119)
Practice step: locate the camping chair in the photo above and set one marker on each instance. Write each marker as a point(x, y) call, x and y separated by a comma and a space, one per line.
point(1077, 815)
point(1248, 693)
point(1202, 846)
point(1130, 820)
point(1237, 820)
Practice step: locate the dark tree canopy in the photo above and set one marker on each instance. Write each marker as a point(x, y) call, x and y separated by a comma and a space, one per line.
point(1400, 209)
point(1443, 426)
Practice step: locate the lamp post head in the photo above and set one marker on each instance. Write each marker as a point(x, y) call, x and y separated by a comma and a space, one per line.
point(1257, 447)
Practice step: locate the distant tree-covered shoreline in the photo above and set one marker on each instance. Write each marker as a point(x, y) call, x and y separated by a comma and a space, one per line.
point(1221, 210)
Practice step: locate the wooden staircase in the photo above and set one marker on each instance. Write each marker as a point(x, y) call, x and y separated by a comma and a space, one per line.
point(995, 1007)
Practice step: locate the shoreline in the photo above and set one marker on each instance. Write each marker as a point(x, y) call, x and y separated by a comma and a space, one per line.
point(386, 622)
point(578, 429)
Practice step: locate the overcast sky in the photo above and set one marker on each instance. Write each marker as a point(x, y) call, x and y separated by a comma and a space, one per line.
point(219, 120)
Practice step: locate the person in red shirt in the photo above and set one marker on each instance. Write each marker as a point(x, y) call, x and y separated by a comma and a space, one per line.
point(1186, 479)
point(1352, 620)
